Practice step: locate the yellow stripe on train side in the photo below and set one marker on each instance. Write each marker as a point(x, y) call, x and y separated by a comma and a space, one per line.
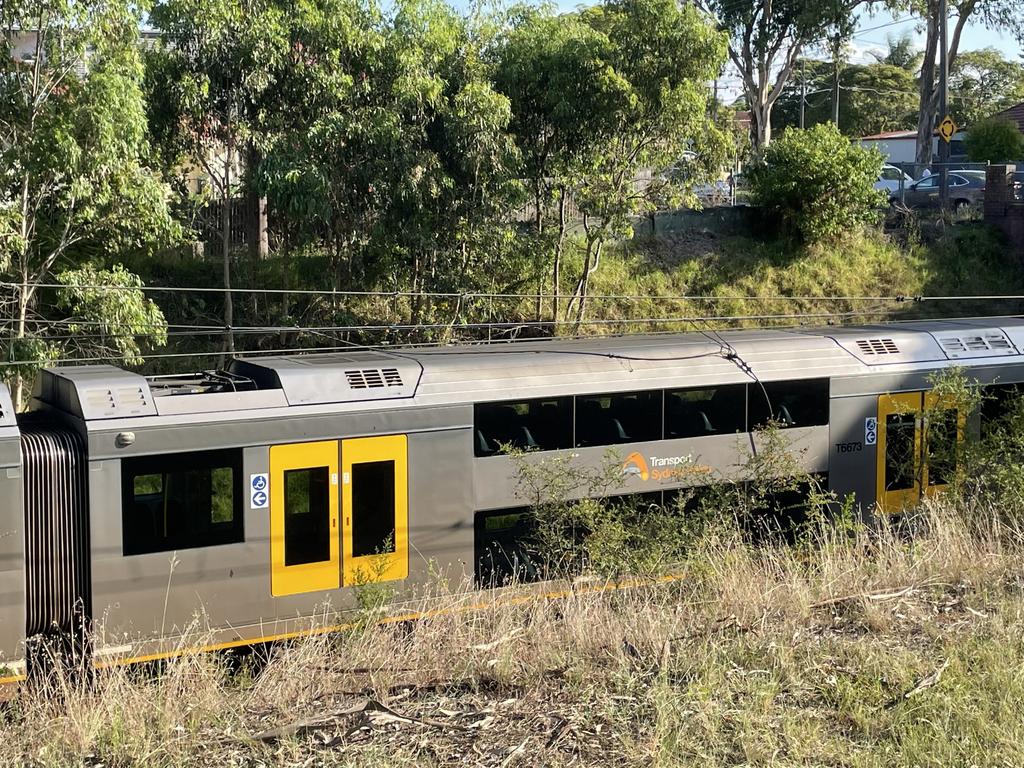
point(398, 618)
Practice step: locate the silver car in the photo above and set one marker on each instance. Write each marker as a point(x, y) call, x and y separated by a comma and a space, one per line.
point(891, 179)
point(966, 188)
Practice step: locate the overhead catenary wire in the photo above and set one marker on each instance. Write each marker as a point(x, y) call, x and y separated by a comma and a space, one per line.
point(436, 348)
point(270, 329)
point(512, 296)
point(508, 326)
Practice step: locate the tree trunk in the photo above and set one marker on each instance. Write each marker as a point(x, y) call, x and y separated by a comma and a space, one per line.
point(229, 309)
point(927, 102)
point(593, 260)
point(556, 282)
point(538, 223)
point(23, 294)
point(835, 95)
point(256, 209)
point(19, 379)
point(760, 125)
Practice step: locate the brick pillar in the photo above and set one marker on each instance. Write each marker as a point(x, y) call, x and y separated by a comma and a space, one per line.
point(998, 191)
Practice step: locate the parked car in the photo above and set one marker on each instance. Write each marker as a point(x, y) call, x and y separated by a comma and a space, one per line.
point(891, 178)
point(965, 188)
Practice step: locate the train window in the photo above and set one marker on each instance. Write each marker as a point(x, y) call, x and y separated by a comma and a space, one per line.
point(624, 417)
point(504, 543)
point(701, 412)
point(544, 425)
point(900, 451)
point(997, 403)
point(181, 501)
point(373, 508)
point(942, 445)
point(307, 512)
point(792, 403)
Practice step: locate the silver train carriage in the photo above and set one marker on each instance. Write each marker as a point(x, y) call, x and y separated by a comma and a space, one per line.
point(252, 497)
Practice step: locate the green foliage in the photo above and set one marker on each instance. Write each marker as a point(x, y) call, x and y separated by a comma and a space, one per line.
point(995, 140)
point(766, 37)
point(75, 188)
point(817, 183)
point(872, 98)
point(109, 323)
point(901, 52)
point(392, 150)
point(982, 83)
point(599, 95)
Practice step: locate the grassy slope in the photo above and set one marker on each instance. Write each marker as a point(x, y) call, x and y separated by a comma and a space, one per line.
point(970, 261)
point(757, 657)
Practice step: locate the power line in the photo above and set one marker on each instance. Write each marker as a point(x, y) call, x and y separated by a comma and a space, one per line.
point(469, 326)
point(487, 295)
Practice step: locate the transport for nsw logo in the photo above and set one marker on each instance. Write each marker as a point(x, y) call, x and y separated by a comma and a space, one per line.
point(635, 464)
point(671, 468)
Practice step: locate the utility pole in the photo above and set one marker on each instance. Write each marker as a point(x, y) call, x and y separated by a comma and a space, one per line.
point(835, 98)
point(803, 92)
point(943, 104)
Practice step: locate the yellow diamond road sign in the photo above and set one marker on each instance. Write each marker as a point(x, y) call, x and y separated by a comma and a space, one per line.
point(947, 128)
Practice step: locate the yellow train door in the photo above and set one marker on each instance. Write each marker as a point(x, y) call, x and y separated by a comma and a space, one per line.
point(919, 438)
point(375, 509)
point(899, 451)
point(304, 552)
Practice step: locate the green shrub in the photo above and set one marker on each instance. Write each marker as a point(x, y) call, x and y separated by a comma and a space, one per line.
point(817, 183)
point(995, 140)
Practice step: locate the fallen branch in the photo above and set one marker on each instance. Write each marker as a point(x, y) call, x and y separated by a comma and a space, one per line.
point(928, 681)
point(372, 710)
point(873, 596)
point(309, 725)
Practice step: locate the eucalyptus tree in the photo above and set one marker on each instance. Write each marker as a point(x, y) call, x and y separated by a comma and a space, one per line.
point(76, 194)
point(993, 14)
point(982, 83)
point(663, 56)
point(209, 77)
point(555, 71)
point(390, 148)
point(766, 39)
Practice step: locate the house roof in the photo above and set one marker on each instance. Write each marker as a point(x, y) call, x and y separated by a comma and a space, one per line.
point(889, 135)
point(1014, 113)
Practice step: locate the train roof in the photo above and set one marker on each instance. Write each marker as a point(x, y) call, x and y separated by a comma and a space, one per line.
point(375, 378)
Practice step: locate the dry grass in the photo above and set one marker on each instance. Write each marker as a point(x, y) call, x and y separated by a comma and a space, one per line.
point(864, 651)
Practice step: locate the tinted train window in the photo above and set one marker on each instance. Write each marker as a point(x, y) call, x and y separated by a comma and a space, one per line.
point(504, 547)
point(542, 425)
point(900, 451)
point(307, 516)
point(702, 412)
point(625, 417)
point(942, 445)
point(181, 501)
point(793, 403)
point(373, 508)
point(998, 401)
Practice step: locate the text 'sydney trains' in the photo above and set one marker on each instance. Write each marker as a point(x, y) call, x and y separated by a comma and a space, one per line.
point(257, 494)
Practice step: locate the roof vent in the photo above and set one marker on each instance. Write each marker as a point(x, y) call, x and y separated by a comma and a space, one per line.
point(877, 346)
point(373, 378)
point(982, 344)
point(131, 397)
point(335, 377)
